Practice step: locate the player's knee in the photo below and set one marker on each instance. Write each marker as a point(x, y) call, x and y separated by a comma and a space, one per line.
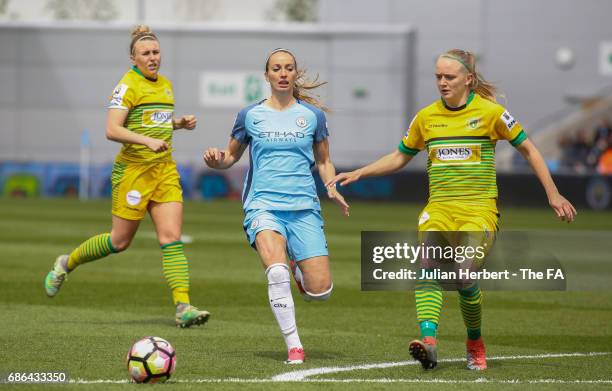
point(168, 237)
point(120, 245)
point(319, 294)
point(277, 273)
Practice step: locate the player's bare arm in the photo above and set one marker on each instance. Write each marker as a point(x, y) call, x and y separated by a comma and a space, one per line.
point(388, 164)
point(188, 122)
point(562, 207)
point(327, 171)
point(115, 131)
point(223, 159)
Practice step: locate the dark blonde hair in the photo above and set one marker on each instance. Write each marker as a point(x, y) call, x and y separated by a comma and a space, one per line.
point(302, 83)
point(141, 32)
point(479, 85)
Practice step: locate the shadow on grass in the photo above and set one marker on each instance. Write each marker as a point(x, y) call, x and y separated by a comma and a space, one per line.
point(167, 321)
point(310, 354)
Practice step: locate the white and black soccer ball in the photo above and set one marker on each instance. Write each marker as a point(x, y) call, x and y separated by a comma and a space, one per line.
point(151, 360)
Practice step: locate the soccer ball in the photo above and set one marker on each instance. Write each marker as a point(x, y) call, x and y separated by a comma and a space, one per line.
point(151, 360)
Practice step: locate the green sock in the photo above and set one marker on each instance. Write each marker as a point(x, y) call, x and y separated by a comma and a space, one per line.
point(94, 248)
point(176, 271)
point(428, 295)
point(470, 301)
point(428, 329)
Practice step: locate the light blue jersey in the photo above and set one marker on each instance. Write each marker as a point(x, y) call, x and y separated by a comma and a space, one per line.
point(281, 155)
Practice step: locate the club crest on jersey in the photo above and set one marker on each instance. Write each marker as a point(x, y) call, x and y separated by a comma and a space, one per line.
point(301, 122)
point(474, 123)
point(508, 120)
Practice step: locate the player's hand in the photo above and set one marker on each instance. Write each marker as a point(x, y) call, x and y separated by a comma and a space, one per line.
point(562, 207)
point(344, 178)
point(333, 195)
point(213, 157)
point(188, 122)
point(157, 145)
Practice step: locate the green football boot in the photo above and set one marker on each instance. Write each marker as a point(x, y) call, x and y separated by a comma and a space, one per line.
point(188, 315)
point(56, 277)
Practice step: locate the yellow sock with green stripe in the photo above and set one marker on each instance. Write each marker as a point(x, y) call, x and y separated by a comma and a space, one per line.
point(470, 300)
point(94, 248)
point(176, 271)
point(428, 295)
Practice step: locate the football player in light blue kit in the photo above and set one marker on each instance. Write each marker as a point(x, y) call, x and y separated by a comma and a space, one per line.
point(286, 136)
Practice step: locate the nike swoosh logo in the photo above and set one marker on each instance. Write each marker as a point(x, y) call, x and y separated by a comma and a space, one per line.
point(280, 298)
point(256, 122)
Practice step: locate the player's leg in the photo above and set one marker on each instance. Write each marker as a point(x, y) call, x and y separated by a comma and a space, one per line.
point(479, 223)
point(433, 222)
point(267, 234)
point(316, 278)
point(168, 220)
point(271, 249)
point(92, 249)
point(307, 248)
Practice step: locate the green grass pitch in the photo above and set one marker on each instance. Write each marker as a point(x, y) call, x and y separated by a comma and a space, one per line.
point(107, 305)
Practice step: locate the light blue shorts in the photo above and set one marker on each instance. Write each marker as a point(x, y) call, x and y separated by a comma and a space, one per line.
point(302, 230)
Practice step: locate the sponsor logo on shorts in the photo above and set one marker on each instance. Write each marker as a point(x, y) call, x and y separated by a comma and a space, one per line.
point(508, 120)
point(301, 122)
point(133, 197)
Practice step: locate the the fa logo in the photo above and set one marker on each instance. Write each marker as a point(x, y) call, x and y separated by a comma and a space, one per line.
point(301, 122)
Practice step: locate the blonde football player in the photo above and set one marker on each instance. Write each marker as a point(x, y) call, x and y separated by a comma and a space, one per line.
point(459, 132)
point(144, 178)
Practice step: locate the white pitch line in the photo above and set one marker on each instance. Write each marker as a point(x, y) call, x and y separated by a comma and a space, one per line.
point(303, 374)
point(382, 380)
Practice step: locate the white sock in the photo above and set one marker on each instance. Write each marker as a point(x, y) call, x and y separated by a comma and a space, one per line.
point(281, 303)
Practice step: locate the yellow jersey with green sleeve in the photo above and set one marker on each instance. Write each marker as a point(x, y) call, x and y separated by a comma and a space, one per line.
point(150, 106)
point(460, 143)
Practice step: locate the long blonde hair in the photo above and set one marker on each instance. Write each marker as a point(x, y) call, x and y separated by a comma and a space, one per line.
point(302, 84)
point(479, 85)
point(141, 32)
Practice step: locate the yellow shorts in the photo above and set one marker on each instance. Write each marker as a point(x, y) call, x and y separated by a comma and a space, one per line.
point(135, 185)
point(479, 218)
point(459, 215)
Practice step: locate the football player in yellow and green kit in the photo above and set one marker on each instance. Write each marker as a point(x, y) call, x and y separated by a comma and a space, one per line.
point(144, 178)
point(459, 133)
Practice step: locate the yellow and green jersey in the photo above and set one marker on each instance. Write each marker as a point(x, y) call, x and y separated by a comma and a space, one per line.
point(150, 106)
point(460, 143)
